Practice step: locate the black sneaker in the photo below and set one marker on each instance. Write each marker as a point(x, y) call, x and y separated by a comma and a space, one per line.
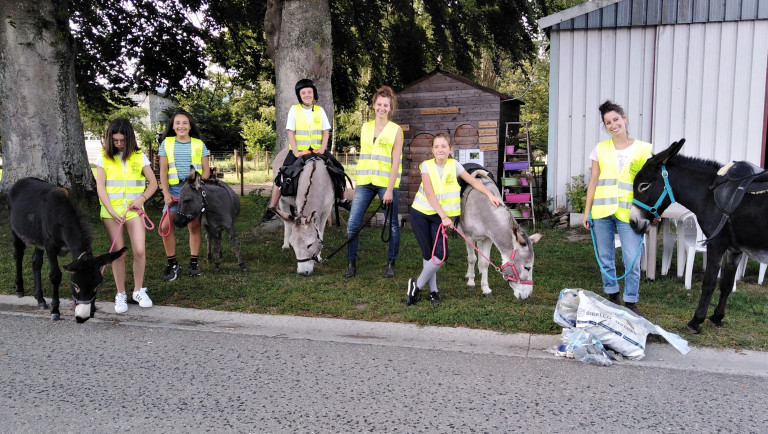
point(434, 297)
point(269, 214)
point(171, 272)
point(347, 205)
point(412, 294)
point(194, 270)
point(614, 298)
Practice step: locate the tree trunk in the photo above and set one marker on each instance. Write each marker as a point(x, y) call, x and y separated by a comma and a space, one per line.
point(299, 42)
point(42, 133)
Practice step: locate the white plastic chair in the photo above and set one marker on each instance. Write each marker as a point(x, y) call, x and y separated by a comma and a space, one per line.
point(743, 268)
point(671, 238)
point(690, 235)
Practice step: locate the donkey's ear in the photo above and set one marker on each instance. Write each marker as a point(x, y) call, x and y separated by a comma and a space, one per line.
point(312, 218)
point(107, 258)
point(283, 215)
point(664, 156)
point(535, 238)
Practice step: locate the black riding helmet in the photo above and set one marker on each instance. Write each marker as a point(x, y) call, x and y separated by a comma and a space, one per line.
point(301, 84)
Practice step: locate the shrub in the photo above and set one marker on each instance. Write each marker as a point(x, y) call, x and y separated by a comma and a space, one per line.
point(576, 192)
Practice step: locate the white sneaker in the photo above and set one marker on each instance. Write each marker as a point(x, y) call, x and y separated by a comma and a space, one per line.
point(142, 298)
point(121, 304)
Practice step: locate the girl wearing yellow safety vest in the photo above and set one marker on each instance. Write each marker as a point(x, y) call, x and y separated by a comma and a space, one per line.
point(438, 199)
point(308, 131)
point(615, 162)
point(378, 173)
point(122, 173)
point(180, 149)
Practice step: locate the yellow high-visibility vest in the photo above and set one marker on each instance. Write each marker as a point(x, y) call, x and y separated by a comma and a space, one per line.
point(613, 194)
point(308, 136)
point(197, 158)
point(375, 160)
point(446, 189)
point(123, 184)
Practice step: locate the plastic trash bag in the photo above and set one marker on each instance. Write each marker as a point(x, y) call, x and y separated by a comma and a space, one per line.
point(614, 326)
point(582, 346)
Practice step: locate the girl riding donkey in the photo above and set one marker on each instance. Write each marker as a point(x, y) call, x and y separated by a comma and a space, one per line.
point(438, 199)
point(308, 132)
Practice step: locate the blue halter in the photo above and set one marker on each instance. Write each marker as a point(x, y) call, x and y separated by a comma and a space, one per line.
point(667, 190)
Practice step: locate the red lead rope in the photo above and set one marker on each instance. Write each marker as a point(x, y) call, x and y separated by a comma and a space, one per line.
point(515, 277)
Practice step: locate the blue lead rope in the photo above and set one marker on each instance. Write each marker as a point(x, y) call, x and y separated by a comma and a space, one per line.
point(600, 263)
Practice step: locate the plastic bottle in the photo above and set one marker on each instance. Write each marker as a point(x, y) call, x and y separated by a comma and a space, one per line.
point(591, 355)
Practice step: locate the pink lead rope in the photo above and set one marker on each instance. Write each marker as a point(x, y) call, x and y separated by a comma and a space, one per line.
point(515, 277)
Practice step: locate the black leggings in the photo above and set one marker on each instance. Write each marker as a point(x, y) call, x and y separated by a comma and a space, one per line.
point(425, 228)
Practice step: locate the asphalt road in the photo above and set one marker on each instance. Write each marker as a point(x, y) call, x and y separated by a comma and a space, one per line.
point(168, 369)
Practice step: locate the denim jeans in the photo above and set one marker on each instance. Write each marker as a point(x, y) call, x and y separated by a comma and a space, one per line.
point(604, 230)
point(364, 195)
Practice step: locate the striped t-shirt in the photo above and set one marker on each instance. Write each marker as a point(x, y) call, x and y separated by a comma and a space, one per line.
point(182, 154)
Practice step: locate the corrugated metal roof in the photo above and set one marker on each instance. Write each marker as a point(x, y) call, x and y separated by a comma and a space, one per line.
point(630, 13)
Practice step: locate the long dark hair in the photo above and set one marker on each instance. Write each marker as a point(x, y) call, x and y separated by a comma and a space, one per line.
point(120, 126)
point(193, 130)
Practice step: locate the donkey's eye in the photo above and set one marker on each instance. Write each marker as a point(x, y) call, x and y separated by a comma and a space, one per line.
point(309, 246)
point(643, 186)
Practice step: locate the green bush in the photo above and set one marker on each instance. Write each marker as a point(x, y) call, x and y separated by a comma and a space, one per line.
point(576, 192)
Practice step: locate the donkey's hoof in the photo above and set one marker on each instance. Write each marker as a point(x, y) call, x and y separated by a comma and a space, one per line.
point(488, 295)
point(42, 305)
point(694, 328)
point(55, 317)
point(244, 270)
point(470, 287)
point(286, 249)
point(20, 294)
point(717, 322)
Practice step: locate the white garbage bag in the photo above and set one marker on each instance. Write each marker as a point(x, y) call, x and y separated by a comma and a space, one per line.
point(615, 326)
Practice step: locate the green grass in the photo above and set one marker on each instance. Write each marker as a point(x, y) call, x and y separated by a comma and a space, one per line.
point(273, 287)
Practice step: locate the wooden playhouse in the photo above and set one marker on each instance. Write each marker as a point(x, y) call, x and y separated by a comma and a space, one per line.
point(474, 115)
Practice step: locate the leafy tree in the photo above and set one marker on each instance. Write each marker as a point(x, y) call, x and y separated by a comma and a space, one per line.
point(53, 52)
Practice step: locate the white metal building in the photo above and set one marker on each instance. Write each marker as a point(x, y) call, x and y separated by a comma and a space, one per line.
point(680, 68)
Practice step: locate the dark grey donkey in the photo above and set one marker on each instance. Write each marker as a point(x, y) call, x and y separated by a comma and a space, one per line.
point(219, 206)
point(45, 217)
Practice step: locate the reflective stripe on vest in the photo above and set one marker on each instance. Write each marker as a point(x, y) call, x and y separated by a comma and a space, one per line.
point(613, 195)
point(197, 158)
point(375, 160)
point(308, 136)
point(447, 190)
point(124, 184)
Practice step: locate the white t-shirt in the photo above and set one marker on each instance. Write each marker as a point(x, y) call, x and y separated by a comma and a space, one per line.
point(100, 161)
point(621, 155)
point(291, 123)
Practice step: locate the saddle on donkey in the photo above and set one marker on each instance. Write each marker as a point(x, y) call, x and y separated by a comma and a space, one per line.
point(733, 181)
point(288, 176)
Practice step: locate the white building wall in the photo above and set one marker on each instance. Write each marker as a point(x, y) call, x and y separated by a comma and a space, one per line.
point(704, 82)
point(588, 67)
point(710, 89)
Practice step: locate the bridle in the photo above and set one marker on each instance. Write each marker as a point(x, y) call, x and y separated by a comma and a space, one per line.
point(313, 257)
point(95, 290)
point(667, 191)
